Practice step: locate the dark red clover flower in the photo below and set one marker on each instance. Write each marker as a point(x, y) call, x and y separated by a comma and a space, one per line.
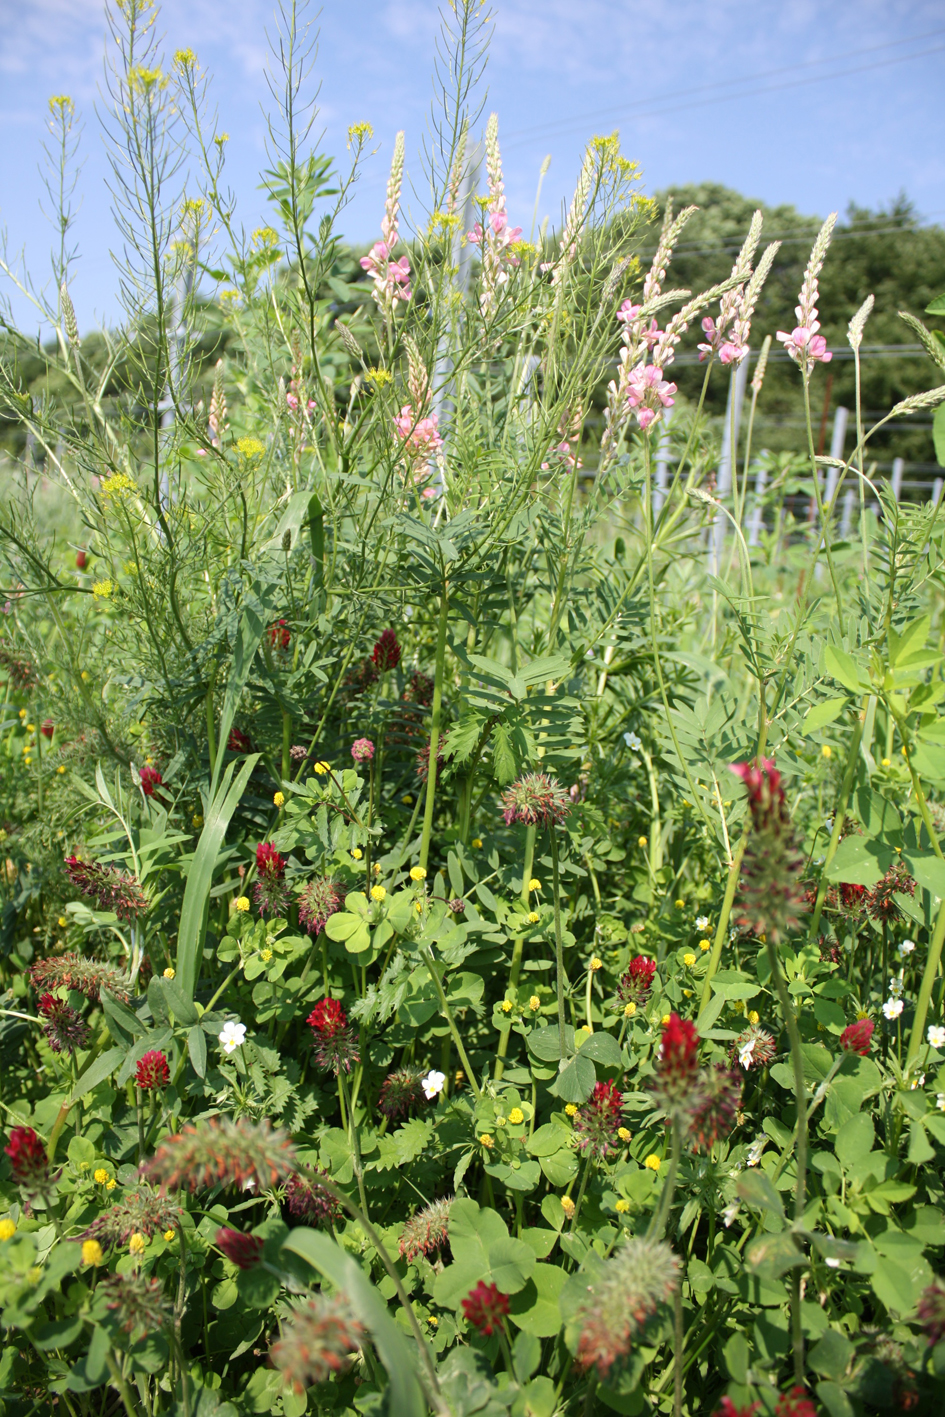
point(880, 901)
point(86, 976)
point(110, 888)
point(400, 1091)
point(536, 800)
point(271, 894)
point(63, 1026)
point(795, 1403)
point(152, 1071)
point(727, 1408)
point(635, 986)
point(771, 899)
point(27, 1159)
point(244, 1250)
point(335, 1044)
point(318, 902)
point(676, 1086)
point(857, 1037)
point(753, 1048)
point(47, 728)
point(485, 1307)
point(150, 780)
point(237, 742)
point(386, 653)
point(279, 635)
point(597, 1123)
point(308, 1199)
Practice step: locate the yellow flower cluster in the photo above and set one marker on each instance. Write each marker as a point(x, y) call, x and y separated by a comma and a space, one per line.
point(250, 447)
point(118, 485)
point(418, 873)
point(102, 589)
point(378, 893)
point(242, 904)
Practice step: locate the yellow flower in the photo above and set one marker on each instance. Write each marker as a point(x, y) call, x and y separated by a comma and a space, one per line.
point(137, 1243)
point(630, 1010)
point(886, 763)
point(754, 1017)
point(62, 922)
point(476, 842)
point(279, 799)
point(643, 843)
point(664, 1020)
point(652, 1162)
point(120, 485)
point(357, 853)
point(110, 1185)
point(378, 893)
point(688, 960)
point(506, 1006)
point(432, 1319)
point(826, 751)
point(534, 1003)
point(571, 1109)
point(100, 1175)
point(500, 1121)
point(322, 768)
point(7, 1229)
point(169, 972)
point(84, 675)
point(596, 964)
point(516, 1116)
point(904, 751)
point(91, 1252)
point(61, 768)
point(739, 1006)
point(418, 873)
point(101, 590)
point(22, 713)
point(487, 1141)
point(680, 904)
point(622, 1207)
point(265, 956)
point(705, 944)
point(242, 904)
point(534, 885)
point(623, 1133)
point(533, 917)
point(418, 906)
point(568, 1206)
point(250, 447)
point(168, 1235)
point(28, 762)
point(407, 799)
point(197, 821)
point(31, 728)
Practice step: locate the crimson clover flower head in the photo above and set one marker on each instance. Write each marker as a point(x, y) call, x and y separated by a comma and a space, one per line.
point(422, 761)
point(308, 1200)
point(795, 1403)
point(237, 742)
point(753, 1048)
point(627, 1290)
point(47, 728)
point(536, 800)
point(637, 982)
point(27, 1159)
point(420, 689)
point(597, 1122)
point(930, 1311)
point(880, 901)
point(362, 750)
point(485, 1307)
point(676, 1086)
point(271, 894)
point(152, 1071)
point(317, 1341)
point(279, 635)
point(727, 1408)
point(85, 976)
point(245, 1251)
point(318, 901)
point(857, 1037)
point(327, 1018)
point(386, 653)
point(138, 1302)
point(714, 1114)
point(771, 898)
point(150, 780)
point(335, 1044)
point(426, 1231)
point(110, 888)
point(766, 798)
point(853, 897)
point(219, 1152)
point(400, 1091)
point(140, 1210)
point(268, 860)
point(64, 1027)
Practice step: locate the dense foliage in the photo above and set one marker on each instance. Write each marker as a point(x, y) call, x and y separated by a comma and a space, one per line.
point(472, 927)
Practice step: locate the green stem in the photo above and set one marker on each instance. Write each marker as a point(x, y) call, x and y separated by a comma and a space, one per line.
point(839, 815)
point(731, 886)
point(661, 1214)
point(559, 950)
point(435, 721)
point(451, 1022)
point(925, 989)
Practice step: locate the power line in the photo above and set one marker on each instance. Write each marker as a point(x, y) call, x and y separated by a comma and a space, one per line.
point(730, 245)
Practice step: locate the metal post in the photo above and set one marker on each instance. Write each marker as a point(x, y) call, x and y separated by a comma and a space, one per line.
point(936, 490)
point(662, 465)
point(733, 414)
point(754, 530)
point(837, 440)
point(846, 521)
point(898, 468)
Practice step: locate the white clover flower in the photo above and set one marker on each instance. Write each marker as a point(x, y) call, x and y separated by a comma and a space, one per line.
point(917, 1082)
point(232, 1036)
point(729, 1214)
point(702, 923)
point(940, 1101)
point(432, 1084)
point(895, 988)
point(906, 948)
point(755, 1150)
point(832, 1263)
point(936, 1035)
point(632, 741)
point(746, 1053)
point(829, 824)
point(892, 1008)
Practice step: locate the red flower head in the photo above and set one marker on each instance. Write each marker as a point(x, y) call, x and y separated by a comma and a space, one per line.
point(676, 1086)
point(27, 1159)
point(636, 984)
point(362, 750)
point(795, 1403)
point(81, 560)
point(856, 1037)
point(279, 636)
point(766, 799)
point(536, 800)
point(880, 901)
point(771, 896)
point(327, 1018)
point(65, 1028)
point(852, 897)
point(268, 860)
point(308, 1200)
point(150, 779)
point(727, 1408)
point(753, 1048)
point(243, 1250)
point(152, 1071)
point(335, 1043)
point(110, 888)
point(400, 1091)
point(386, 653)
point(271, 895)
point(47, 728)
point(485, 1307)
point(318, 901)
point(237, 742)
point(596, 1124)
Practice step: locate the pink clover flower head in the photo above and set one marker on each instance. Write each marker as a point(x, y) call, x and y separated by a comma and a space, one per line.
point(536, 800)
point(362, 750)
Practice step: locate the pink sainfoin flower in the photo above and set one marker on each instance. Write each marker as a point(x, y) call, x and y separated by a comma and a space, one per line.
point(391, 278)
point(494, 236)
point(648, 393)
point(805, 346)
point(420, 436)
point(732, 348)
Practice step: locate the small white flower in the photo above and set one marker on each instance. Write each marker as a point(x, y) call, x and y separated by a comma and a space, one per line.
point(432, 1084)
point(895, 988)
point(632, 741)
point(829, 826)
point(746, 1053)
point(940, 1101)
point(702, 923)
point(755, 1150)
point(892, 1008)
point(906, 948)
point(832, 1263)
point(729, 1214)
point(232, 1036)
point(936, 1035)
point(917, 1082)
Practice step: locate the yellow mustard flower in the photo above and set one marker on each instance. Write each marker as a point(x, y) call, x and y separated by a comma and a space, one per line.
point(7, 1229)
point(242, 904)
point(418, 873)
point(119, 485)
point(137, 1244)
point(101, 590)
point(622, 1207)
point(91, 1252)
point(378, 893)
point(652, 1162)
point(568, 1206)
point(516, 1116)
point(279, 799)
point(250, 447)
point(534, 1003)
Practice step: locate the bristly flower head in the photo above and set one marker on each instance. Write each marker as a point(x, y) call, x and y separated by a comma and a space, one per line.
point(771, 899)
point(714, 1114)
point(318, 902)
point(386, 652)
point(636, 984)
point(362, 750)
point(857, 1037)
point(152, 1071)
point(110, 888)
point(85, 976)
point(426, 1231)
point(317, 1341)
point(335, 1043)
point(727, 1408)
point(641, 1275)
point(280, 636)
point(598, 1121)
point(243, 1250)
point(219, 1152)
point(880, 901)
point(271, 895)
point(139, 1302)
point(754, 1048)
point(308, 1200)
point(151, 780)
point(238, 742)
point(795, 1403)
point(485, 1307)
point(27, 1159)
point(400, 1091)
point(930, 1311)
point(65, 1029)
point(676, 1086)
point(140, 1211)
point(536, 800)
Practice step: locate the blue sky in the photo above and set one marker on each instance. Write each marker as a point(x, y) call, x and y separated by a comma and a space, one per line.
point(804, 101)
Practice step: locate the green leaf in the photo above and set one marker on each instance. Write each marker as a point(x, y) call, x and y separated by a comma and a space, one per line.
point(179, 1005)
point(860, 862)
point(842, 667)
point(576, 1082)
point(244, 652)
point(511, 1263)
point(97, 1071)
point(258, 1287)
point(831, 1356)
point(197, 1048)
point(854, 1140)
point(119, 1013)
point(737, 1356)
point(912, 638)
point(937, 306)
point(535, 1308)
point(821, 714)
point(200, 874)
point(938, 434)
point(547, 1140)
point(602, 1047)
point(757, 1189)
